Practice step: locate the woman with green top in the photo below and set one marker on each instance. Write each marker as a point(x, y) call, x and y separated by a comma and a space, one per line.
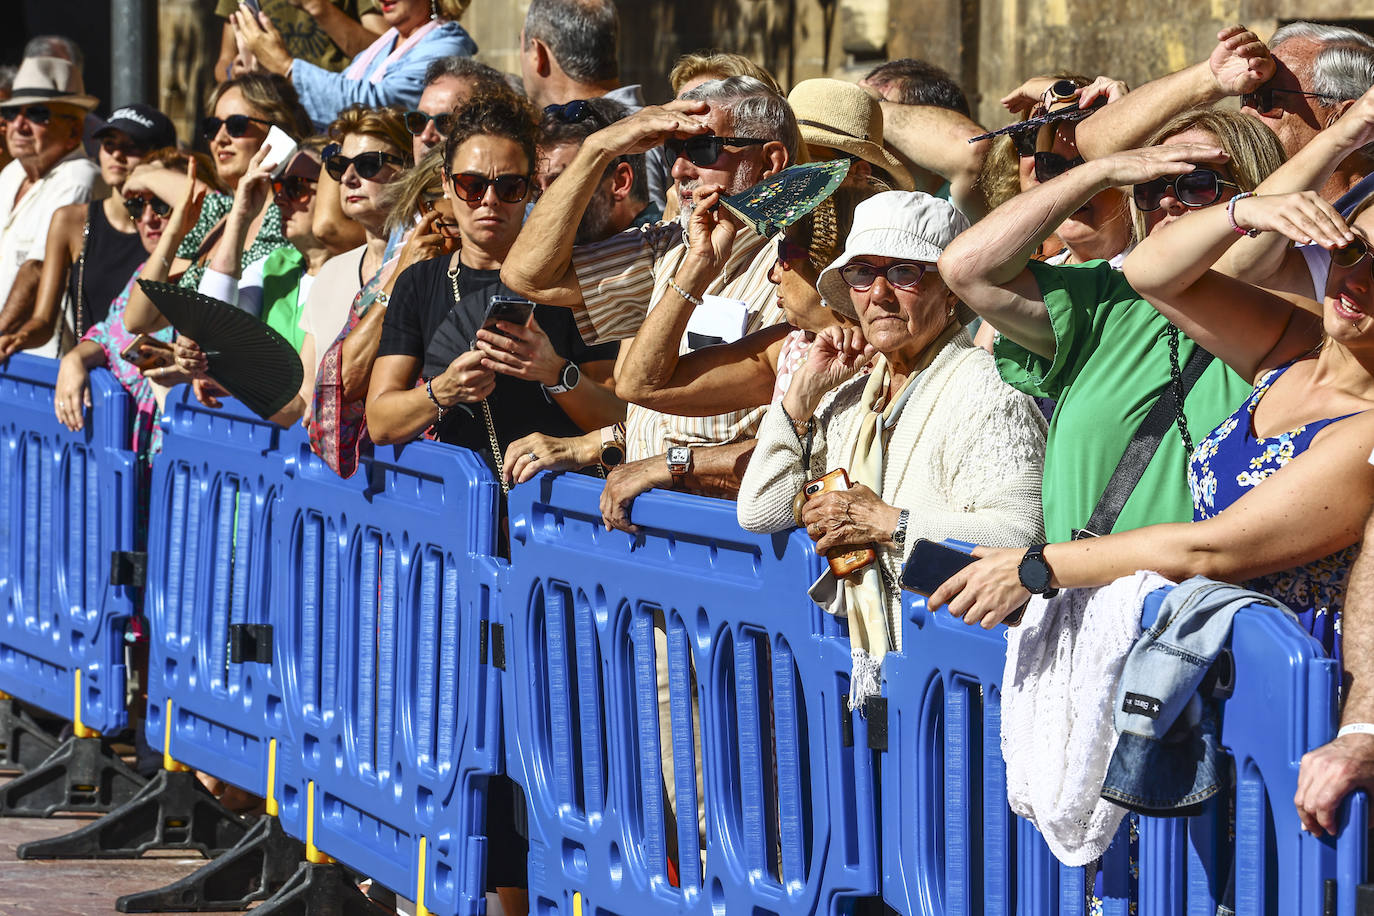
point(1081, 335)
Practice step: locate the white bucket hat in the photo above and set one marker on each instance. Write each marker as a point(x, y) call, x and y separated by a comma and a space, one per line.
point(910, 225)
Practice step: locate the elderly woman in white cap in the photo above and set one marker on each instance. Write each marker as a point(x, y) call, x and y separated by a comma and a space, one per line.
point(934, 444)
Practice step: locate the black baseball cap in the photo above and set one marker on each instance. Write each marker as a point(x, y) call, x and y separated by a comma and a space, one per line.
point(144, 124)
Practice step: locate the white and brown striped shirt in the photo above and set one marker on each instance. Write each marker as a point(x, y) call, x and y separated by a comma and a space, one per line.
point(622, 277)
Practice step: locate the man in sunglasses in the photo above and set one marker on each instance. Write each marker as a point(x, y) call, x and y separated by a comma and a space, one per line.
point(43, 120)
point(449, 83)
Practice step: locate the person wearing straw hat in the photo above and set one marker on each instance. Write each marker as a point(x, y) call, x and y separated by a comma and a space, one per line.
point(43, 119)
point(840, 119)
point(933, 443)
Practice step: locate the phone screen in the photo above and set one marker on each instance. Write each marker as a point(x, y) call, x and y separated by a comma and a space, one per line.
point(507, 308)
point(930, 564)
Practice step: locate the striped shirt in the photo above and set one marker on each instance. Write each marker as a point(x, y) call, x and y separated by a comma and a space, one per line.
point(622, 277)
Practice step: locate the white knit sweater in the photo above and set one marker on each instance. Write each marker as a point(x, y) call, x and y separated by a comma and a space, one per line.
point(965, 458)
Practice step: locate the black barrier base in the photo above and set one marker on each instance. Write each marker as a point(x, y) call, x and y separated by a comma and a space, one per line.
point(83, 774)
point(320, 890)
point(1364, 900)
point(256, 868)
point(173, 811)
point(24, 744)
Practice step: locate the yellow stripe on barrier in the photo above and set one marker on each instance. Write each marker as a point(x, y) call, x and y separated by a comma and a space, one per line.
point(168, 763)
point(312, 852)
point(271, 792)
point(577, 903)
point(420, 883)
point(78, 727)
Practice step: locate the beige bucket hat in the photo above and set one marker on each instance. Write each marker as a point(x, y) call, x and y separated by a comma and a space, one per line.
point(842, 116)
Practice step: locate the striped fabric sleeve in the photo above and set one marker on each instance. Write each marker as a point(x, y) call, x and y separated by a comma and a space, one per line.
point(617, 277)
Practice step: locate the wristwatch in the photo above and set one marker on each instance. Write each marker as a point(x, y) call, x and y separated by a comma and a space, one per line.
point(679, 462)
point(567, 379)
point(1035, 574)
point(612, 445)
point(899, 533)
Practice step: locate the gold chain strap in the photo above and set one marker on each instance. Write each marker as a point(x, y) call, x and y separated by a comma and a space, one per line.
point(496, 456)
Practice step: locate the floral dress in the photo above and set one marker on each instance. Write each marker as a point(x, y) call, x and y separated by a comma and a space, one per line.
point(1230, 462)
point(271, 236)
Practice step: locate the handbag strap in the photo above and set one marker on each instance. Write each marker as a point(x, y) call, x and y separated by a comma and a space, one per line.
point(1143, 445)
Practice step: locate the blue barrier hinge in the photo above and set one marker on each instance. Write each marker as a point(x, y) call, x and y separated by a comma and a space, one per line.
point(128, 567)
point(250, 642)
point(498, 644)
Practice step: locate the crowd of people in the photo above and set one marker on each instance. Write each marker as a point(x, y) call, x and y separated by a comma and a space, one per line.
point(1132, 329)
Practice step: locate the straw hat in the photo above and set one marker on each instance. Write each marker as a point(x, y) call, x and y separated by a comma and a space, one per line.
point(46, 80)
point(842, 116)
point(910, 225)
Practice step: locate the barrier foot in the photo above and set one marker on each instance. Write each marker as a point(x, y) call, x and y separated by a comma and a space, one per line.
point(256, 868)
point(173, 811)
point(83, 774)
point(24, 744)
point(320, 890)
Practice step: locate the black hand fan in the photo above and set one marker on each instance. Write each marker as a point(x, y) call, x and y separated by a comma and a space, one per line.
point(253, 362)
point(780, 200)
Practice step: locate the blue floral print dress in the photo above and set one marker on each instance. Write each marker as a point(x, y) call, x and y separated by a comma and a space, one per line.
point(1230, 462)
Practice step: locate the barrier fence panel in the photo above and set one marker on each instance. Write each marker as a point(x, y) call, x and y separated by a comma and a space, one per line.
point(634, 663)
point(383, 595)
point(67, 504)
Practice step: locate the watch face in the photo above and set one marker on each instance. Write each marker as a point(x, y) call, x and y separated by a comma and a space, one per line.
point(612, 454)
point(571, 375)
point(1034, 573)
point(679, 454)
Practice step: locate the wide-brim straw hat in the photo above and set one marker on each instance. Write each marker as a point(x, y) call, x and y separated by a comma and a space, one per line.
point(841, 116)
point(910, 225)
point(49, 80)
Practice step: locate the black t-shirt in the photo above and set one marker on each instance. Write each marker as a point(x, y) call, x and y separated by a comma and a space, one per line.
point(423, 322)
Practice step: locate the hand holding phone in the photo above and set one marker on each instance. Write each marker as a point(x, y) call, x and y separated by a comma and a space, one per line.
point(506, 308)
point(844, 561)
point(148, 353)
point(281, 149)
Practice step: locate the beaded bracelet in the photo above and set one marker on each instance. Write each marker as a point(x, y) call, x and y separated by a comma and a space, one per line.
point(1231, 215)
point(683, 293)
point(429, 390)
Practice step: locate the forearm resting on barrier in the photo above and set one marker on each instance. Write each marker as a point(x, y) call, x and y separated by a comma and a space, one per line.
point(19, 305)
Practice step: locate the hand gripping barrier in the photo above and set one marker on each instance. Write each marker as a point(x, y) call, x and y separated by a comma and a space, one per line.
point(951, 844)
point(384, 591)
point(788, 808)
point(68, 504)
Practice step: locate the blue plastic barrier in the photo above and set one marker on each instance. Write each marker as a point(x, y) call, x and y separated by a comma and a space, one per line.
point(383, 590)
point(788, 807)
point(67, 503)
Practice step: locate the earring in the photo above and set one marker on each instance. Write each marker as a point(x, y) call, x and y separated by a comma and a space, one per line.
point(433, 9)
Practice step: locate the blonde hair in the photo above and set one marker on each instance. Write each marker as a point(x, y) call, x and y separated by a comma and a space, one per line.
point(401, 198)
point(273, 97)
point(385, 124)
point(452, 10)
point(717, 65)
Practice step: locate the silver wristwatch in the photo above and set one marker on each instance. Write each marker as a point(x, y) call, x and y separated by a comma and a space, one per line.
point(899, 533)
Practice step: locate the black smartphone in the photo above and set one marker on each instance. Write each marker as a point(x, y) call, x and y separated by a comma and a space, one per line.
point(930, 564)
point(506, 308)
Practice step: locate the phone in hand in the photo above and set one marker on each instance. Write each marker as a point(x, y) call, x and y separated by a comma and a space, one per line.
point(930, 564)
point(252, 5)
point(148, 353)
point(506, 308)
point(844, 561)
point(281, 149)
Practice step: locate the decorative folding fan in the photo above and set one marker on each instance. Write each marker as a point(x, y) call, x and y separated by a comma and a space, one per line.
point(253, 362)
point(779, 201)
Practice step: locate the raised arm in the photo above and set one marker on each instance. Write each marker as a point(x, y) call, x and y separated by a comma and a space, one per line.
point(140, 315)
point(936, 140)
point(351, 35)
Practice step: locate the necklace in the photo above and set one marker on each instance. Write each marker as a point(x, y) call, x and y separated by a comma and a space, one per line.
point(496, 456)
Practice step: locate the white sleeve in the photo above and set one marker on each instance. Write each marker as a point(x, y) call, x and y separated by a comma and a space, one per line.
point(219, 286)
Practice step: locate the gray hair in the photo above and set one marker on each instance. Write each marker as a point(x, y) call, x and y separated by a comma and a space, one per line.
point(55, 46)
point(755, 110)
point(582, 35)
point(463, 68)
point(7, 74)
point(1344, 67)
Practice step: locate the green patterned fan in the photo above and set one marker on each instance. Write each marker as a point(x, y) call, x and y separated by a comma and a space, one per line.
point(779, 201)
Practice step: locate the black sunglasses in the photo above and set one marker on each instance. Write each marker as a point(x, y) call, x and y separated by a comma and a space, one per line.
point(471, 187)
point(367, 165)
point(1197, 188)
point(136, 205)
point(1351, 254)
point(1025, 142)
point(1052, 165)
point(575, 112)
point(705, 150)
point(36, 114)
point(1262, 99)
point(417, 121)
point(235, 125)
point(293, 187)
point(861, 276)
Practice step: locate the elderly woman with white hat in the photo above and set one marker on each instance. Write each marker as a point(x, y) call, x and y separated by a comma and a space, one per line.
point(934, 444)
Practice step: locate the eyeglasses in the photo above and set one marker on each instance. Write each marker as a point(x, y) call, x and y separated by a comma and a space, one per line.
point(861, 276)
point(366, 165)
point(705, 150)
point(1262, 99)
point(1197, 188)
point(235, 125)
point(471, 187)
point(1351, 254)
point(138, 205)
point(1052, 165)
point(34, 114)
point(293, 188)
point(789, 251)
point(417, 121)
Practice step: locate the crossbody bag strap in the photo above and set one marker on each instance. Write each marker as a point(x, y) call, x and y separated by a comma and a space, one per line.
point(1142, 447)
point(79, 319)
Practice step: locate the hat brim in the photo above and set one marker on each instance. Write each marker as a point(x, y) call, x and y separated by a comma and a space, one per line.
point(42, 97)
point(887, 243)
point(867, 150)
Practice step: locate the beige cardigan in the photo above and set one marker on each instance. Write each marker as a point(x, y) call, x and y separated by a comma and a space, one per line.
point(965, 458)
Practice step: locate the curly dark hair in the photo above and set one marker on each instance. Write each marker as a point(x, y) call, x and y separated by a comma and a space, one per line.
point(494, 112)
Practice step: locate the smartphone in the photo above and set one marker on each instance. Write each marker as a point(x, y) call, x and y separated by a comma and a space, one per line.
point(252, 5)
point(844, 561)
point(147, 353)
point(506, 308)
point(281, 149)
point(930, 564)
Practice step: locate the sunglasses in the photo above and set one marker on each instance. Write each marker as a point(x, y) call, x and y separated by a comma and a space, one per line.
point(34, 114)
point(128, 147)
point(1262, 99)
point(705, 150)
point(1197, 188)
point(471, 188)
point(789, 251)
point(1052, 165)
point(443, 223)
point(366, 165)
point(137, 205)
point(293, 188)
point(861, 276)
point(1351, 254)
point(417, 121)
point(235, 125)
point(574, 112)
point(1025, 142)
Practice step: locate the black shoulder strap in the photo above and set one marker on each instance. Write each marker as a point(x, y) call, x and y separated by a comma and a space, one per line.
point(1142, 447)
